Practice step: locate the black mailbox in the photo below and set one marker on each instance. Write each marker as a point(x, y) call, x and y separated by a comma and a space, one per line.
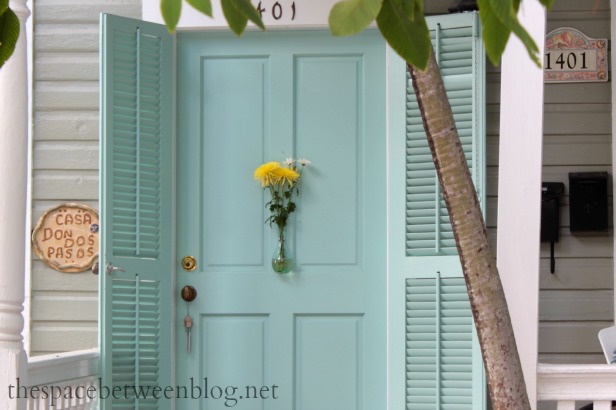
point(588, 210)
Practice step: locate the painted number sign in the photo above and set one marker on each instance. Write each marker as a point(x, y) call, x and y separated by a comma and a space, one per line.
point(66, 237)
point(571, 56)
point(276, 10)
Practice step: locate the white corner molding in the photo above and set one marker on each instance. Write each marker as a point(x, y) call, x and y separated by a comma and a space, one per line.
point(13, 190)
point(519, 187)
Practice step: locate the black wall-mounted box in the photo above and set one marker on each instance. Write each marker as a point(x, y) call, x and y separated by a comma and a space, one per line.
point(550, 210)
point(588, 210)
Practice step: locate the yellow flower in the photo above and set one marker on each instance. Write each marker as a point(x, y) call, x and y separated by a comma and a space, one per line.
point(266, 173)
point(283, 175)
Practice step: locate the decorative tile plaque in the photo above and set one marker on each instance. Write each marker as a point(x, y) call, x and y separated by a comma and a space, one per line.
point(571, 56)
point(66, 237)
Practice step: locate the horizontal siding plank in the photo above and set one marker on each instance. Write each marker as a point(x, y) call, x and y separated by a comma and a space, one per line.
point(571, 246)
point(580, 246)
point(62, 185)
point(62, 337)
point(577, 150)
point(583, 119)
point(557, 93)
point(46, 279)
point(561, 150)
point(581, 273)
point(80, 306)
point(585, 93)
point(66, 155)
point(66, 125)
point(63, 38)
point(66, 67)
point(73, 12)
point(593, 24)
point(570, 337)
point(578, 5)
point(565, 220)
point(576, 305)
point(560, 358)
point(563, 119)
point(61, 95)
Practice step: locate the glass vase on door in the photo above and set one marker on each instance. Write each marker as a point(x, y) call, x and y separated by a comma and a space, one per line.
point(282, 259)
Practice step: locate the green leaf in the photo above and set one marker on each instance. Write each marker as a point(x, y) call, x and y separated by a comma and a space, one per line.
point(352, 16)
point(237, 21)
point(238, 12)
point(495, 33)
point(410, 38)
point(4, 4)
point(247, 9)
point(504, 11)
point(204, 6)
point(9, 33)
point(171, 10)
point(547, 3)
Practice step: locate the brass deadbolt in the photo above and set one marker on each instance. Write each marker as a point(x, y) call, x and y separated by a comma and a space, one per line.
point(189, 263)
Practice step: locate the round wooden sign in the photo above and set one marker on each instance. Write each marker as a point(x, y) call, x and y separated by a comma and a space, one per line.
point(66, 237)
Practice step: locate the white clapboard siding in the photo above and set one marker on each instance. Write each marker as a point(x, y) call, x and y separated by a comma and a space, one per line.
point(65, 185)
point(567, 305)
point(66, 125)
point(577, 300)
point(65, 158)
point(52, 337)
point(570, 337)
point(65, 66)
point(75, 12)
point(578, 273)
point(66, 155)
point(45, 279)
point(71, 306)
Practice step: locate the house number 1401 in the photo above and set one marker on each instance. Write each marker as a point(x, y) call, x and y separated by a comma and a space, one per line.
point(277, 10)
point(571, 60)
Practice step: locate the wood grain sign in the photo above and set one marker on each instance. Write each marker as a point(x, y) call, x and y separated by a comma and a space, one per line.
point(66, 237)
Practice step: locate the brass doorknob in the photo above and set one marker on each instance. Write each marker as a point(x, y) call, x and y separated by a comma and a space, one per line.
point(188, 293)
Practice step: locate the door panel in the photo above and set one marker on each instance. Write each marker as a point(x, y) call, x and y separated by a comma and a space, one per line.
point(314, 338)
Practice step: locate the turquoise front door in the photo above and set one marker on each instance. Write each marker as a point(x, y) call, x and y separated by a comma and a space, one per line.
point(316, 338)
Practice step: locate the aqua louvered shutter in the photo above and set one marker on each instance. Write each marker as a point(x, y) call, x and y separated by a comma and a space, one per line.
point(136, 211)
point(435, 357)
point(442, 363)
point(457, 49)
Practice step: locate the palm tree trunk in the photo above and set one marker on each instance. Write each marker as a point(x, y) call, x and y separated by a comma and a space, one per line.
point(488, 303)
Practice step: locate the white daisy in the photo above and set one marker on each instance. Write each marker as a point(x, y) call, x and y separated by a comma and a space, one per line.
point(289, 161)
point(303, 161)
